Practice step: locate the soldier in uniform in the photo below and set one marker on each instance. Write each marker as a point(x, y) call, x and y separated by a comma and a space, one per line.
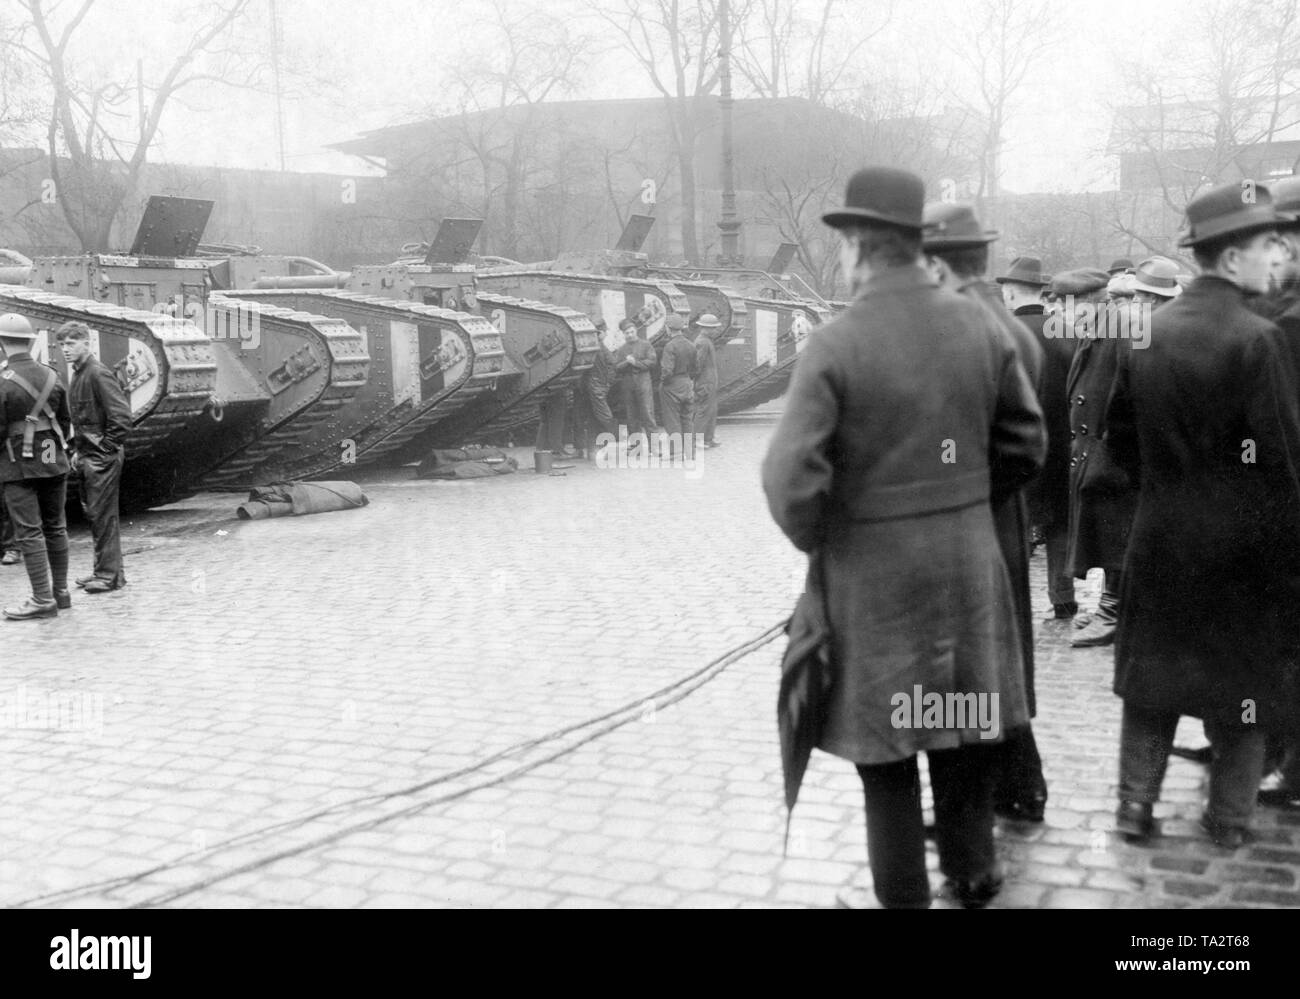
point(905, 415)
point(958, 250)
point(596, 383)
point(1049, 495)
point(1205, 421)
point(677, 387)
point(706, 379)
point(34, 469)
point(102, 418)
point(634, 361)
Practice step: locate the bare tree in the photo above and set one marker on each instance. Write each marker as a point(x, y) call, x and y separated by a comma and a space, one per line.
point(676, 43)
point(94, 159)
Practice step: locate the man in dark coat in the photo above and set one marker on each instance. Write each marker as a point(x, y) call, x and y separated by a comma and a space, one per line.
point(1200, 419)
point(34, 469)
point(635, 361)
point(101, 417)
point(706, 379)
point(957, 247)
point(905, 416)
point(1281, 784)
point(1049, 495)
point(1101, 507)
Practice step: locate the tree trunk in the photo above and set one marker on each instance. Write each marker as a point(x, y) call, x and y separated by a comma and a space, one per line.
point(686, 171)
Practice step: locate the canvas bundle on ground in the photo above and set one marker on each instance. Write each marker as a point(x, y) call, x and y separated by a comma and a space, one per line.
point(296, 499)
point(465, 463)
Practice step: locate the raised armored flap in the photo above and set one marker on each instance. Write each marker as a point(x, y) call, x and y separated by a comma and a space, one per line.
point(634, 233)
point(171, 227)
point(454, 240)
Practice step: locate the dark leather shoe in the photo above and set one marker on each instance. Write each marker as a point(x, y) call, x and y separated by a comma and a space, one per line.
point(62, 599)
point(974, 893)
point(97, 585)
point(1134, 821)
point(1228, 837)
point(30, 609)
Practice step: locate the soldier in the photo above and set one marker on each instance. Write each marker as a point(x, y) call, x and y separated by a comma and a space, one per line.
point(634, 361)
point(1101, 502)
point(706, 379)
point(1204, 420)
point(1049, 495)
point(596, 383)
point(677, 388)
point(958, 249)
point(102, 418)
point(904, 415)
point(34, 469)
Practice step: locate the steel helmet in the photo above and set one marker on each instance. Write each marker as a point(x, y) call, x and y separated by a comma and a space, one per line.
point(16, 326)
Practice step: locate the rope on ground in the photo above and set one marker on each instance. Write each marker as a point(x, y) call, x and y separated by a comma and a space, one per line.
point(594, 728)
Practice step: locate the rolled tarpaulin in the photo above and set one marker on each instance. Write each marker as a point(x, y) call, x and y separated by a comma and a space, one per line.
point(283, 499)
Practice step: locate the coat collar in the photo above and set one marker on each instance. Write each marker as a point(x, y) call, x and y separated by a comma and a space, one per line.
point(1213, 286)
point(896, 279)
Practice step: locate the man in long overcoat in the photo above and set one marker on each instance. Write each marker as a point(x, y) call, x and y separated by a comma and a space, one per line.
point(1202, 421)
point(905, 416)
point(957, 247)
point(1101, 506)
point(1049, 495)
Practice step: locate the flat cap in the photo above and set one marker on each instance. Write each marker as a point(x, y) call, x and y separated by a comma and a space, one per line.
point(675, 322)
point(1083, 281)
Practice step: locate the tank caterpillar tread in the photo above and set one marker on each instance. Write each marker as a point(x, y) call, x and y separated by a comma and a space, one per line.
point(308, 367)
point(727, 306)
point(167, 365)
point(606, 297)
point(759, 369)
point(551, 346)
point(427, 364)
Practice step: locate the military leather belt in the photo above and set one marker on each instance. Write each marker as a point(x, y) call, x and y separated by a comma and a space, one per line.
point(40, 423)
point(910, 499)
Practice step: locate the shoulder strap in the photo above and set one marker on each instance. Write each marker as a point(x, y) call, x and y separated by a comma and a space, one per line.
point(42, 407)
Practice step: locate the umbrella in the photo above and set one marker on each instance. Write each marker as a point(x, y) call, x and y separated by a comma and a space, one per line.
point(805, 685)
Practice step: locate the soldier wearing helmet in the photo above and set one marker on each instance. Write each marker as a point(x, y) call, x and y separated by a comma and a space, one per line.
point(34, 469)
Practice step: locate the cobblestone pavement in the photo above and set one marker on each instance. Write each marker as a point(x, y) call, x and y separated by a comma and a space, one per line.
point(500, 693)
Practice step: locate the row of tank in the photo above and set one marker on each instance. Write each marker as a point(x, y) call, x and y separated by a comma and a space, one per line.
point(244, 368)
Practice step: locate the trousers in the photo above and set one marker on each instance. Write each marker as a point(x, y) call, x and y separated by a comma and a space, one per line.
point(962, 783)
point(638, 403)
point(677, 405)
point(706, 411)
point(36, 507)
point(1236, 766)
point(98, 483)
point(1060, 582)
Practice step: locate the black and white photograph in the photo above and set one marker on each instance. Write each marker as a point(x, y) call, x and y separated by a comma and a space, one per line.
point(651, 454)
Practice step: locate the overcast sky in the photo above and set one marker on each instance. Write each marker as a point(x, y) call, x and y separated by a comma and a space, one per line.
point(389, 62)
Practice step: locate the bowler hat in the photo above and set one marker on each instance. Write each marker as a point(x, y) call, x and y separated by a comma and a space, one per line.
point(1025, 270)
point(16, 327)
point(1120, 265)
point(1159, 276)
point(708, 321)
point(1231, 208)
point(953, 226)
point(1083, 281)
point(881, 194)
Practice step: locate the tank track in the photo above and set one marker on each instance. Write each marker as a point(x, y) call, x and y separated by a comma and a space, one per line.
point(377, 439)
point(328, 344)
point(769, 381)
point(181, 355)
point(557, 362)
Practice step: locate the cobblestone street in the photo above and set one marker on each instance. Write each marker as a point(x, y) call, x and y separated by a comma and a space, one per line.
point(504, 692)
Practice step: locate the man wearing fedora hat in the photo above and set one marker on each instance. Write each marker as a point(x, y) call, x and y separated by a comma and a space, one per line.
point(1155, 282)
point(1206, 423)
point(906, 415)
point(34, 469)
point(1023, 286)
point(706, 378)
point(958, 250)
